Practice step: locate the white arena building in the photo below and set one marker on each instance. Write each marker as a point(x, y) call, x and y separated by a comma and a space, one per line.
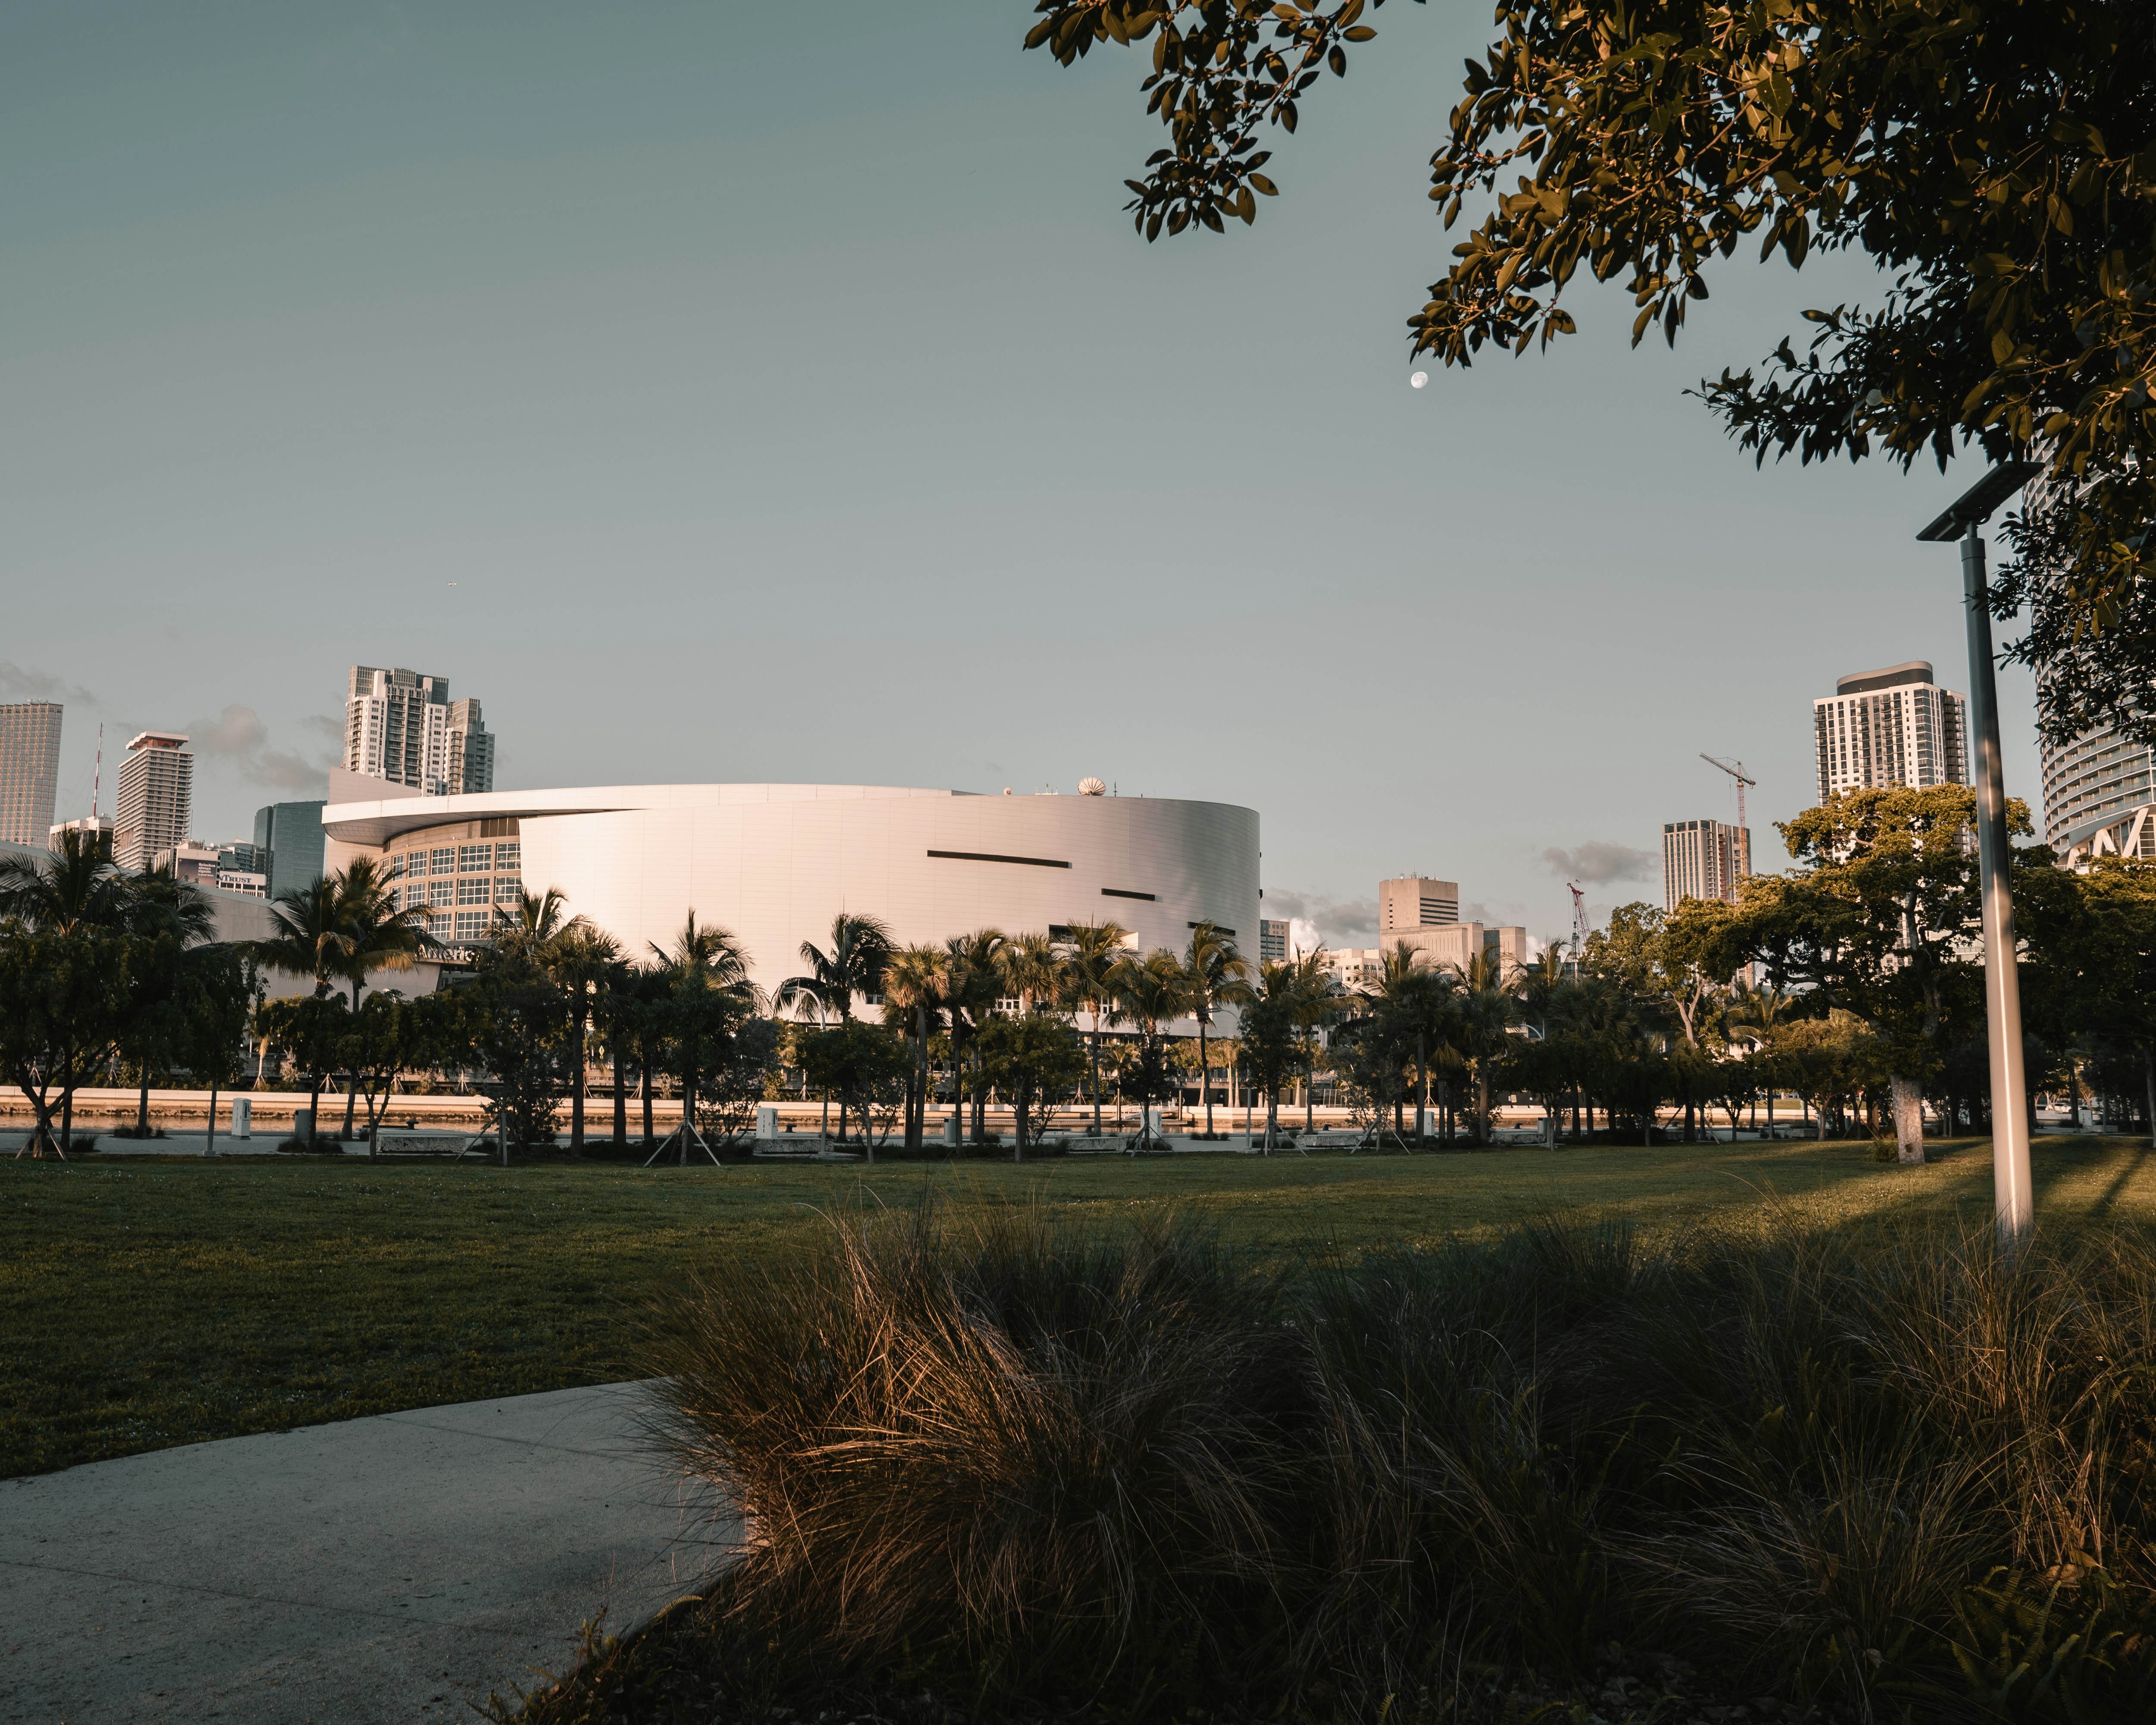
point(774, 863)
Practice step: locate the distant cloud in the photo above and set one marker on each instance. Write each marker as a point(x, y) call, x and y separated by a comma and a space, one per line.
point(1598, 863)
point(329, 724)
point(1334, 921)
point(238, 730)
point(17, 684)
point(237, 736)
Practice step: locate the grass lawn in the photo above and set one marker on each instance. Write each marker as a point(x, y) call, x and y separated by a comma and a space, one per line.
point(150, 1303)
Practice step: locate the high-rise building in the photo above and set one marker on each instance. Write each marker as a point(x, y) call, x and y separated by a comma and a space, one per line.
point(1272, 940)
point(156, 795)
point(29, 769)
point(1411, 903)
point(1703, 859)
point(1893, 726)
point(471, 750)
point(93, 829)
point(396, 728)
point(288, 845)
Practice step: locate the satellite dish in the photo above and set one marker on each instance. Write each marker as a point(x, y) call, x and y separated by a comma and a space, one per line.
point(1092, 787)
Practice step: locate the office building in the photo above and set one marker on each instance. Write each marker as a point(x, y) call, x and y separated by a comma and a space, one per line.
point(29, 769)
point(288, 846)
point(1453, 945)
point(1355, 967)
point(156, 794)
point(1273, 940)
point(1893, 726)
point(194, 864)
point(1703, 859)
point(396, 728)
point(1412, 902)
point(774, 863)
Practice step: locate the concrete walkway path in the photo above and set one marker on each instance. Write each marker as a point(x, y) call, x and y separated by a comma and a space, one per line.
point(397, 1568)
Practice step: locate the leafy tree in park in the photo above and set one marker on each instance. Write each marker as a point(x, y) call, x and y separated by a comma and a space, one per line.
point(1880, 919)
point(581, 959)
point(1318, 1003)
point(220, 991)
point(311, 1030)
point(80, 952)
point(1994, 157)
point(170, 920)
point(1032, 1058)
point(1215, 974)
point(865, 1066)
point(1676, 971)
point(2091, 969)
point(731, 1088)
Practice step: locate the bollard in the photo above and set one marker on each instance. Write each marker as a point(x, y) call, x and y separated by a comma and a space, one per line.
point(243, 1111)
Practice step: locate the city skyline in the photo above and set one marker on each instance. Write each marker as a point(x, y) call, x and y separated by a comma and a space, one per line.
point(549, 440)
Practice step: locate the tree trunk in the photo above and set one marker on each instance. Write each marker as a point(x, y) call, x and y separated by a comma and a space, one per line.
point(1908, 1097)
point(143, 1106)
point(67, 1123)
point(916, 1113)
point(1097, 1069)
point(688, 1112)
point(576, 1093)
point(620, 1103)
point(2148, 1078)
point(1206, 1078)
point(643, 1087)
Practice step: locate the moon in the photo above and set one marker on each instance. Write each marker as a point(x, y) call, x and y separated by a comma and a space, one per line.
point(1419, 379)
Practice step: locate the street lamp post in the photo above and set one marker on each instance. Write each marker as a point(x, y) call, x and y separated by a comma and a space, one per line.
point(2002, 984)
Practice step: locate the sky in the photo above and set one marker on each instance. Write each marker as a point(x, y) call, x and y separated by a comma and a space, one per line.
point(782, 394)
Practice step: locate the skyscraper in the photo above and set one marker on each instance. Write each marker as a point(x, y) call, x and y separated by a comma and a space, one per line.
point(1272, 939)
point(29, 769)
point(1894, 727)
point(156, 794)
point(1412, 902)
point(471, 750)
point(1703, 859)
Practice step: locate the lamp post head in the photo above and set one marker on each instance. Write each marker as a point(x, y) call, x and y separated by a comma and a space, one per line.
point(1979, 502)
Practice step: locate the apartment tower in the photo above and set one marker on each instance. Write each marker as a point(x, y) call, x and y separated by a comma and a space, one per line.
point(1703, 859)
point(29, 769)
point(1894, 727)
point(156, 794)
point(402, 726)
point(1273, 934)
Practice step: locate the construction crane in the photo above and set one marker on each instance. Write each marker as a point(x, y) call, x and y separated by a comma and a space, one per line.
point(1579, 921)
point(1735, 769)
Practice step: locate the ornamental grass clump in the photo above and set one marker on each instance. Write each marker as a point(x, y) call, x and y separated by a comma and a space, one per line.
point(1026, 1467)
point(1041, 1454)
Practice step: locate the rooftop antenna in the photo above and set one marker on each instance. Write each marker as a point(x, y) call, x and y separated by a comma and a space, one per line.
point(97, 776)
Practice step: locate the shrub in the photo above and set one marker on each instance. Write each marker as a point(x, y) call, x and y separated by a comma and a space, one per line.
point(1875, 1469)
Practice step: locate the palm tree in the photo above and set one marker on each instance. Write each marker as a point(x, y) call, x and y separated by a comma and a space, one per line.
point(580, 959)
point(703, 957)
point(309, 939)
point(160, 905)
point(1488, 1007)
point(1316, 992)
point(1094, 953)
point(378, 936)
point(860, 947)
point(1214, 974)
point(78, 888)
point(1032, 971)
point(1152, 992)
point(973, 985)
point(914, 977)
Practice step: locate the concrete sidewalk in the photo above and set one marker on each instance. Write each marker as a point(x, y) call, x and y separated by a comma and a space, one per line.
point(397, 1568)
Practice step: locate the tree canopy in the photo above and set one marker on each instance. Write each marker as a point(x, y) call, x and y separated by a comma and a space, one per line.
point(1996, 158)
